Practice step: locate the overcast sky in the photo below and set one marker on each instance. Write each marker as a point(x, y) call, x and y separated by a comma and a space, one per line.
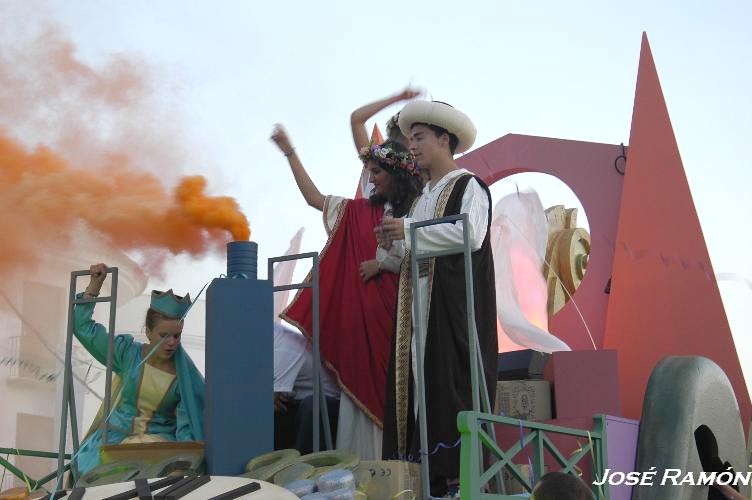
point(228, 70)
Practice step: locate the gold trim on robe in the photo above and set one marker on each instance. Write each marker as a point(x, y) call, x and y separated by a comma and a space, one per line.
point(404, 328)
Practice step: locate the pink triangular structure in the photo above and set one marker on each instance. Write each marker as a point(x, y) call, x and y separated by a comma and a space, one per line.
point(664, 297)
point(362, 191)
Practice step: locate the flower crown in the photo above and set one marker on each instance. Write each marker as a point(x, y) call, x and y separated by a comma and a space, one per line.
point(390, 157)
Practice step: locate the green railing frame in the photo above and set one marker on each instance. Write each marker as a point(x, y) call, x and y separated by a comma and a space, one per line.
point(474, 440)
point(33, 483)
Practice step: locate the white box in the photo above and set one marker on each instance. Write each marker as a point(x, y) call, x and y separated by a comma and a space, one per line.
point(386, 478)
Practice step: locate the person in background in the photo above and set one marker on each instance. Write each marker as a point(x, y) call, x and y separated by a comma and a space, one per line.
point(293, 392)
point(561, 486)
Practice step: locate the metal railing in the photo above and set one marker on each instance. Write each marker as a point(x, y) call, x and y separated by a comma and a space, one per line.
point(320, 409)
point(32, 484)
point(21, 367)
point(69, 398)
point(478, 383)
point(15, 351)
point(475, 441)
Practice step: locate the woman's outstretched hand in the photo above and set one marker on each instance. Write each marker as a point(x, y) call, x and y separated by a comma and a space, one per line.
point(408, 93)
point(280, 138)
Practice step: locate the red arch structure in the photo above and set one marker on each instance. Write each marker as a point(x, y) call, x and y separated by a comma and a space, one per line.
point(646, 237)
point(588, 169)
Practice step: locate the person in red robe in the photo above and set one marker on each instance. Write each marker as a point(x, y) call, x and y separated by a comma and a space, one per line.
point(357, 280)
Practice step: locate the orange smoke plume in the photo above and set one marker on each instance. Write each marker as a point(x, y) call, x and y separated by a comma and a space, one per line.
point(219, 211)
point(105, 130)
point(42, 198)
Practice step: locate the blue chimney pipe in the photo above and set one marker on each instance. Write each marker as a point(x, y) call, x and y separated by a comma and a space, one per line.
point(239, 410)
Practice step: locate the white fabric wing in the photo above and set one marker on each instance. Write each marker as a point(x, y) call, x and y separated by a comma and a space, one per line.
point(519, 233)
point(283, 272)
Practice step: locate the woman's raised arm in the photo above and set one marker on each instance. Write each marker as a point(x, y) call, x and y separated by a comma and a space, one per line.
point(359, 117)
point(309, 190)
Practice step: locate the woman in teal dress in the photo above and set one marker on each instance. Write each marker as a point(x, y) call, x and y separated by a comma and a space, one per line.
point(158, 394)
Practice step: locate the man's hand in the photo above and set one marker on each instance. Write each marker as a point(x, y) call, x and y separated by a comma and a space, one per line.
point(369, 269)
point(280, 402)
point(381, 238)
point(729, 492)
point(393, 229)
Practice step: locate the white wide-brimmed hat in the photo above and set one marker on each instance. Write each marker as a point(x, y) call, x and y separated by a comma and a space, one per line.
point(442, 115)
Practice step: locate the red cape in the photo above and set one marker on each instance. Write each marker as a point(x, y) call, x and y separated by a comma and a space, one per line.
point(356, 317)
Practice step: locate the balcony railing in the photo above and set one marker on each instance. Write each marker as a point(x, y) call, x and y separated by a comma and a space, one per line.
point(476, 443)
point(20, 367)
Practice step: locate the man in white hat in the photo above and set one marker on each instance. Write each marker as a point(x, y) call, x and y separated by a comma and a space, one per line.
point(437, 131)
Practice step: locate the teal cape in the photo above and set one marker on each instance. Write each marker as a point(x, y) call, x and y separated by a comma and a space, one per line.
point(179, 416)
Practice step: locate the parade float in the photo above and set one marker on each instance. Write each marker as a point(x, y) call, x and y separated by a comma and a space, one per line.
point(648, 383)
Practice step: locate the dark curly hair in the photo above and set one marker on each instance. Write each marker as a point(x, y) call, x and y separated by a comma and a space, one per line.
point(403, 186)
point(561, 486)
